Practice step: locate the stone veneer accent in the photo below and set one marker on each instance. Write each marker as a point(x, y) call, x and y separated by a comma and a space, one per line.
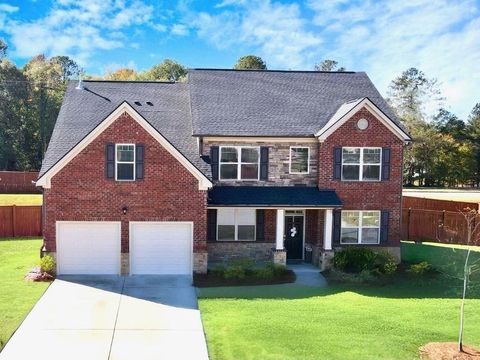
point(125, 264)
point(200, 262)
point(278, 163)
point(224, 251)
point(279, 257)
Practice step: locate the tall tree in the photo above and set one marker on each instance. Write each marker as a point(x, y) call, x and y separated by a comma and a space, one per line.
point(448, 123)
point(473, 130)
point(70, 68)
point(167, 70)
point(124, 74)
point(3, 49)
point(250, 62)
point(328, 65)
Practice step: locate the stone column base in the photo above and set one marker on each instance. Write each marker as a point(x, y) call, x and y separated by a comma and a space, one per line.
point(279, 256)
point(200, 262)
point(125, 264)
point(325, 260)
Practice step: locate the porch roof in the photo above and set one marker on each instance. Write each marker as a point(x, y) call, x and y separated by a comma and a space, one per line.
point(273, 196)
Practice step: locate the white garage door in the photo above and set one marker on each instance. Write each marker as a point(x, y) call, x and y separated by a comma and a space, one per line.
point(88, 247)
point(160, 248)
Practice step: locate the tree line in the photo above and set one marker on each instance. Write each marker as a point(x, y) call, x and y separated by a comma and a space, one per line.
point(445, 150)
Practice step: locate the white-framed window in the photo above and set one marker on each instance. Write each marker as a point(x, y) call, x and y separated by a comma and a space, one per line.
point(360, 227)
point(299, 160)
point(361, 164)
point(125, 162)
point(236, 224)
point(239, 162)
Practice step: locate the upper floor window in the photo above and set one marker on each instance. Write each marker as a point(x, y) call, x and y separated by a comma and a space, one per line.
point(239, 163)
point(125, 162)
point(361, 163)
point(236, 224)
point(299, 160)
point(360, 227)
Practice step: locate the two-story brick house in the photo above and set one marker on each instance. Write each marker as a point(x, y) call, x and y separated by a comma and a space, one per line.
point(164, 178)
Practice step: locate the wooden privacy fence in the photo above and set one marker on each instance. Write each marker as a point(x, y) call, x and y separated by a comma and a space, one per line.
point(434, 225)
point(18, 182)
point(18, 221)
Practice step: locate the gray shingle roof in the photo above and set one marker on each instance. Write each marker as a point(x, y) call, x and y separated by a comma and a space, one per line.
point(214, 102)
point(273, 103)
point(83, 110)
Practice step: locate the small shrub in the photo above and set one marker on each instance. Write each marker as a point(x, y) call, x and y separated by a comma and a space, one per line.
point(265, 273)
point(385, 263)
point(420, 269)
point(354, 259)
point(47, 264)
point(218, 270)
point(234, 272)
point(247, 264)
point(277, 269)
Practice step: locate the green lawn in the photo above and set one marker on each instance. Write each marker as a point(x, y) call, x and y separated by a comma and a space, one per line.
point(339, 322)
point(20, 199)
point(17, 296)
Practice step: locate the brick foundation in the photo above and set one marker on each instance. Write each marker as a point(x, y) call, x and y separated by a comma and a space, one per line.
point(279, 257)
point(225, 251)
point(200, 262)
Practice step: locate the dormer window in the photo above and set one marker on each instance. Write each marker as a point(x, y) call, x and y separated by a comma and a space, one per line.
point(239, 163)
point(125, 162)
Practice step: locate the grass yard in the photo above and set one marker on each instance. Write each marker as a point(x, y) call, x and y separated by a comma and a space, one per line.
point(20, 199)
point(17, 296)
point(338, 322)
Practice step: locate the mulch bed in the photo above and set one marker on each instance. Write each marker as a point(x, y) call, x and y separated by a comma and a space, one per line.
point(213, 280)
point(448, 351)
point(37, 275)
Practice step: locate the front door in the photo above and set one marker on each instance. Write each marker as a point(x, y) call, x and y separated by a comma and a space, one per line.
point(294, 235)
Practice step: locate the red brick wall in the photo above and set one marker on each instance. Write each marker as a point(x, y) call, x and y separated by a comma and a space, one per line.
point(270, 225)
point(168, 192)
point(359, 195)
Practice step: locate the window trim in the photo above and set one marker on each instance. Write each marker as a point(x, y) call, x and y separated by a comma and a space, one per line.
point(239, 162)
point(361, 163)
point(125, 162)
point(290, 160)
point(235, 225)
point(360, 227)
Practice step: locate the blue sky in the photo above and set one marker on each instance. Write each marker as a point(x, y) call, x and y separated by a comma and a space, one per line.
point(441, 37)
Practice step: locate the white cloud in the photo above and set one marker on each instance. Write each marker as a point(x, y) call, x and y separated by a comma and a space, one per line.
point(8, 8)
point(439, 37)
point(77, 28)
point(277, 30)
point(180, 30)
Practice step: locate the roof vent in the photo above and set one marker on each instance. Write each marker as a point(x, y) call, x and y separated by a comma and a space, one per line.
point(149, 103)
point(80, 83)
point(138, 103)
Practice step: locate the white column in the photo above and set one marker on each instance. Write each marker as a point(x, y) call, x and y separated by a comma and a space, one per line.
point(280, 229)
point(327, 226)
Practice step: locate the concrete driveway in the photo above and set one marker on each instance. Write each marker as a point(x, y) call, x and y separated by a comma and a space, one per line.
point(112, 317)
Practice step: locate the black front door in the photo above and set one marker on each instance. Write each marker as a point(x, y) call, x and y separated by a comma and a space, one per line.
point(294, 236)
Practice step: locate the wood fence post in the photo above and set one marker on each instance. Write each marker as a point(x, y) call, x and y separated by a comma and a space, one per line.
point(14, 220)
point(408, 223)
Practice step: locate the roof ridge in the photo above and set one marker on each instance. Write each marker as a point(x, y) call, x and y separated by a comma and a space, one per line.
point(281, 71)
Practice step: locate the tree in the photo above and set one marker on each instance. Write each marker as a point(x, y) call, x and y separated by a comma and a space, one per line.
point(3, 49)
point(124, 74)
point(167, 70)
point(473, 131)
point(250, 62)
point(328, 65)
point(448, 123)
point(70, 68)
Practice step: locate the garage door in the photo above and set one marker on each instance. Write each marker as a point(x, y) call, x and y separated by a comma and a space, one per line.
point(160, 248)
point(88, 247)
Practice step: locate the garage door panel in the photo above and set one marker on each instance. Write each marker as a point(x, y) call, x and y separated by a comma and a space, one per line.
point(88, 247)
point(161, 248)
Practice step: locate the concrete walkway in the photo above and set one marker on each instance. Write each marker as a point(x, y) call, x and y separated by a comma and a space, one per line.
point(112, 317)
point(308, 275)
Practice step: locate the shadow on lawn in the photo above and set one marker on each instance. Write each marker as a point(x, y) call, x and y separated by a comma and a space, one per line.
point(402, 288)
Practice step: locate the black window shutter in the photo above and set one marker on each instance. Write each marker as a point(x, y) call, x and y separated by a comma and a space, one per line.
point(386, 163)
point(337, 163)
point(384, 222)
point(110, 161)
point(214, 162)
point(337, 224)
point(264, 163)
point(212, 224)
point(260, 228)
point(139, 161)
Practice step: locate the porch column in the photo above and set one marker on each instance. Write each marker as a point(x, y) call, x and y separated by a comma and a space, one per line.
point(280, 229)
point(327, 226)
